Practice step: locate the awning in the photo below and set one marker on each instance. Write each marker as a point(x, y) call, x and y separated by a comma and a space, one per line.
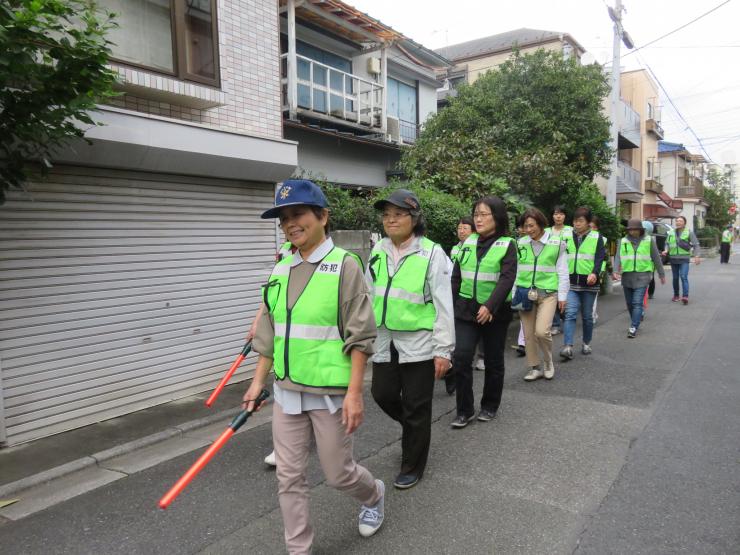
point(650, 211)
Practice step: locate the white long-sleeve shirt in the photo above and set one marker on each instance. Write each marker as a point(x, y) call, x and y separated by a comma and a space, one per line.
point(414, 346)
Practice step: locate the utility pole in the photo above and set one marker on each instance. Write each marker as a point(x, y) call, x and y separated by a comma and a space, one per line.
point(620, 35)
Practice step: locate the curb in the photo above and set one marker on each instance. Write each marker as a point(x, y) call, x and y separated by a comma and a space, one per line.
point(107, 454)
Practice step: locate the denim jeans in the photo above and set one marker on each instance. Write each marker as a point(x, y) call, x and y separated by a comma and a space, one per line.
point(583, 302)
point(635, 298)
point(680, 270)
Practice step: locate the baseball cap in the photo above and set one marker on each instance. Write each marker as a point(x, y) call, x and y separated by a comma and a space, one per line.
point(294, 192)
point(403, 198)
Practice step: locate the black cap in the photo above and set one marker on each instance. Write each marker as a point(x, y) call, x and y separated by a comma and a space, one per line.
point(403, 198)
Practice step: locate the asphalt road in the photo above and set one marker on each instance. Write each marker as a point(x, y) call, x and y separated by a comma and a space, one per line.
point(635, 449)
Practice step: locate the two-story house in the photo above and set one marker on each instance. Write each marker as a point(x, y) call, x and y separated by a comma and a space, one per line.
point(682, 177)
point(129, 277)
point(354, 91)
point(473, 58)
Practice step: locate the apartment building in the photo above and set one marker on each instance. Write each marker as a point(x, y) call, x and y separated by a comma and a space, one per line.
point(130, 275)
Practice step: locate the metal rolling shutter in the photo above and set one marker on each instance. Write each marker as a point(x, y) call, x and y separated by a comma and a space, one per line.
point(123, 290)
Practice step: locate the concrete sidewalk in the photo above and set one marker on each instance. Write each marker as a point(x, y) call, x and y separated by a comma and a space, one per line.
point(50, 458)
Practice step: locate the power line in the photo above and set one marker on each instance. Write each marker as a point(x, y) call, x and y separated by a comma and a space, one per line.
point(675, 108)
point(678, 28)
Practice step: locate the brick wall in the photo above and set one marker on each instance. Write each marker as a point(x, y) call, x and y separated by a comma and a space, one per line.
point(250, 95)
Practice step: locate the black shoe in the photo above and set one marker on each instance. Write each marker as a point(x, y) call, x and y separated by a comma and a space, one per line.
point(521, 351)
point(405, 481)
point(461, 421)
point(486, 415)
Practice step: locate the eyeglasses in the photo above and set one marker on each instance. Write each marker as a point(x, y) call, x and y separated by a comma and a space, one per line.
point(481, 214)
point(394, 215)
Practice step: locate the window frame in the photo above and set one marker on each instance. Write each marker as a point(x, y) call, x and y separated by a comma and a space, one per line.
point(177, 22)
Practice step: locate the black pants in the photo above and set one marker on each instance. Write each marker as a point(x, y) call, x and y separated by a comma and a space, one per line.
point(494, 343)
point(724, 253)
point(404, 392)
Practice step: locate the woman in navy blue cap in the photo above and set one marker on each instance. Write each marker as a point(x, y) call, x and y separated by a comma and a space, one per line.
point(318, 335)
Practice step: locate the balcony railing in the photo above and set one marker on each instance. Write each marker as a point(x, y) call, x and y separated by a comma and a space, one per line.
point(653, 126)
point(653, 184)
point(689, 187)
point(330, 92)
point(627, 178)
point(629, 126)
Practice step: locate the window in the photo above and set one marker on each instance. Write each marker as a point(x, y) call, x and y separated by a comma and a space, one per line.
point(650, 111)
point(650, 169)
point(177, 37)
point(322, 78)
point(402, 105)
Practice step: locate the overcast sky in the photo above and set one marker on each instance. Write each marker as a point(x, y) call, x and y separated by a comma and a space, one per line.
point(698, 66)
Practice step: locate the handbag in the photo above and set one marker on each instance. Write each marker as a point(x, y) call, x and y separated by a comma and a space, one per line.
point(520, 299)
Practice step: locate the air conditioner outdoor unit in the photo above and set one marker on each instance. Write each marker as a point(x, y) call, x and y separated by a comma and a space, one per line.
point(393, 127)
point(373, 66)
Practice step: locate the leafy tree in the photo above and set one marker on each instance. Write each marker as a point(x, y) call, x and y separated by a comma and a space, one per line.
point(53, 56)
point(719, 197)
point(534, 124)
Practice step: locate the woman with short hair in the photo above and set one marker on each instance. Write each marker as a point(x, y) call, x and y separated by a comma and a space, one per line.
point(409, 279)
point(318, 331)
point(482, 280)
point(542, 277)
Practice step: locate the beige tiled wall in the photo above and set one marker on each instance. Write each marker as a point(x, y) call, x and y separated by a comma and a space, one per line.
point(250, 75)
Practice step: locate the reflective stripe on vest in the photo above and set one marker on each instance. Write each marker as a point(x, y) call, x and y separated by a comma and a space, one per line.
point(538, 271)
point(455, 251)
point(399, 302)
point(286, 250)
point(639, 260)
point(479, 277)
point(308, 345)
point(563, 234)
point(581, 258)
point(673, 247)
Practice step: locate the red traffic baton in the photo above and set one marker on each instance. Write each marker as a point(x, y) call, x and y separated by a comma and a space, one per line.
point(206, 457)
point(227, 376)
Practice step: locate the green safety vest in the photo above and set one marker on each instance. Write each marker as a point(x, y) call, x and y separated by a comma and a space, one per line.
point(673, 247)
point(581, 258)
point(285, 250)
point(538, 271)
point(727, 236)
point(308, 344)
point(639, 260)
point(479, 277)
point(399, 302)
point(566, 232)
point(455, 252)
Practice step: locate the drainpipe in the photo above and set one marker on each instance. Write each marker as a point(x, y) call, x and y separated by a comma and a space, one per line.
point(292, 64)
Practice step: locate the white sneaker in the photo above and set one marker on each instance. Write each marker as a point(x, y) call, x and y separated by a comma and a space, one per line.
point(371, 518)
point(586, 349)
point(480, 364)
point(270, 459)
point(532, 375)
point(549, 370)
point(554, 331)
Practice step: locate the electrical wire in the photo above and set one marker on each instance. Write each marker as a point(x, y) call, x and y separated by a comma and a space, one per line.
point(677, 29)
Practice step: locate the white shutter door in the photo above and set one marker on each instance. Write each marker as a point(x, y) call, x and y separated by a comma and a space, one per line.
point(121, 290)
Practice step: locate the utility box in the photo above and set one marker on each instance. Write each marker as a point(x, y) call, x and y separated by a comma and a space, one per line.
point(373, 66)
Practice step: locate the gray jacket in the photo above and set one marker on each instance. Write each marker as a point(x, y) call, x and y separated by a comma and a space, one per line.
point(415, 346)
point(676, 259)
point(635, 280)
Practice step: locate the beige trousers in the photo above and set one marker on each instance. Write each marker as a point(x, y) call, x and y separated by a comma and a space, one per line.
point(292, 435)
point(537, 323)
